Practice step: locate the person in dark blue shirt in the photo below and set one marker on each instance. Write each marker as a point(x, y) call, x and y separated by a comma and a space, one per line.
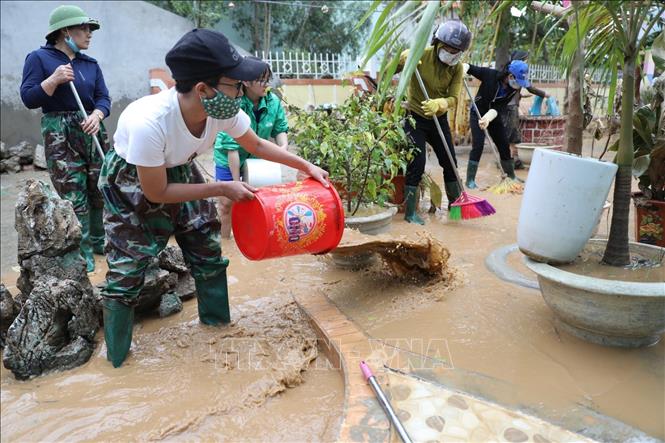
point(496, 90)
point(71, 156)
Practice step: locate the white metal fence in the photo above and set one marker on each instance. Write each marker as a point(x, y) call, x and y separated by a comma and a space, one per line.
point(319, 65)
point(307, 64)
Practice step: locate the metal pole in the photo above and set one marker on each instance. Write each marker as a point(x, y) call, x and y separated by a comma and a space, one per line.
point(487, 134)
point(384, 402)
point(85, 115)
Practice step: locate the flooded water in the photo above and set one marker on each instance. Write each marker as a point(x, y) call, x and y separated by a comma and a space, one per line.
point(642, 269)
point(499, 339)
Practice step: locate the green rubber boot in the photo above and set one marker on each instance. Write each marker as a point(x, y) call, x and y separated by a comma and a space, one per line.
point(118, 325)
point(97, 230)
point(86, 246)
point(453, 192)
point(508, 167)
point(213, 298)
point(471, 169)
point(411, 197)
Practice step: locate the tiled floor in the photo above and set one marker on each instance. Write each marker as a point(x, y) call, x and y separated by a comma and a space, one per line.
point(432, 413)
point(429, 412)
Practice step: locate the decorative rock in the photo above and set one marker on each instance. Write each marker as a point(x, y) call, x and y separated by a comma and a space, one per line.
point(9, 309)
point(170, 304)
point(24, 151)
point(60, 313)
point(185, 288)
point(46, 224)
point(54, 330)
point(12, 164)
point(157, 282)
point(172, 260)
point(39, 157)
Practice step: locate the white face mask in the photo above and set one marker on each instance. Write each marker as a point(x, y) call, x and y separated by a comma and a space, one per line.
point(513, 84)
point(448, 58)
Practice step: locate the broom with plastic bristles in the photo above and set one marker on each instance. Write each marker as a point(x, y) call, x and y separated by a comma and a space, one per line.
point(466, 206)
point(506, 184)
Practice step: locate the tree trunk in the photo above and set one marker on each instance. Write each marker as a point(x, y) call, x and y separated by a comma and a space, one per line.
point(256, 29)
point(575, 119)
point(617, 252)
point(502, 53)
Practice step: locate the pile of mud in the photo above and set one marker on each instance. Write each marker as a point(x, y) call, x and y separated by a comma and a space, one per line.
point(417, 254)
point(184, 381)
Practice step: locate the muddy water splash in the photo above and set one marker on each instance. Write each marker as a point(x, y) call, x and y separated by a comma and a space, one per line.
point(404, 255)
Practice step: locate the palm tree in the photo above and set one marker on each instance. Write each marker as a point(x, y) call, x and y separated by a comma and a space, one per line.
point(615, 33)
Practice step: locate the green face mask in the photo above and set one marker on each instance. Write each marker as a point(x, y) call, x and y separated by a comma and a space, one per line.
point(221, 106)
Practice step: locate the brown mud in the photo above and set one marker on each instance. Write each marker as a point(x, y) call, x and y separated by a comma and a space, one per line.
point(185, 381)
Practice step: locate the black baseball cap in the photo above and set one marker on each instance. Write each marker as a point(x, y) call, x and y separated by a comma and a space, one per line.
point(202, 53)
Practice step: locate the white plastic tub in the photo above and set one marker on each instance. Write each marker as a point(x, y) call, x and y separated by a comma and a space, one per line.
point(563, 200)
point(258, 172)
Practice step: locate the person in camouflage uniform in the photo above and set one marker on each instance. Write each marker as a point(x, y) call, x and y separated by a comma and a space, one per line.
point(71, 156)
point(152, 189)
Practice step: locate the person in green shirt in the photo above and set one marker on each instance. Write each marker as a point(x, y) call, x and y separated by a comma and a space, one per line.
point(442, 75)
point(268, 121)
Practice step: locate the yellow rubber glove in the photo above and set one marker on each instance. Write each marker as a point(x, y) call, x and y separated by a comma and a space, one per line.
point(403, 56)
point(486, 119)
point(436, 106)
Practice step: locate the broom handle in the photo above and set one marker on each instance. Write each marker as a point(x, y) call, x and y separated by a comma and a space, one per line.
point(438, 128)
point(85, 115)
point(487, 135)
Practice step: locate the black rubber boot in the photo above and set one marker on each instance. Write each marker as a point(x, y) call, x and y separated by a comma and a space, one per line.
point(509, 168)
point(411, 212)
point(118, 326)
point(471, 169)
point(453, 192)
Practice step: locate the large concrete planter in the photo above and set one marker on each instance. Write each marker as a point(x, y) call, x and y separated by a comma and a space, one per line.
point(372, 225)
point(606, 312)
point(525, 150)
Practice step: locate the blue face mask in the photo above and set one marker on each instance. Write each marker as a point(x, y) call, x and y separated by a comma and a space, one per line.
point(70, 42)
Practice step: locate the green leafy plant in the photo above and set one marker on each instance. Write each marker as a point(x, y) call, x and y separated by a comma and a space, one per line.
point(360, 144)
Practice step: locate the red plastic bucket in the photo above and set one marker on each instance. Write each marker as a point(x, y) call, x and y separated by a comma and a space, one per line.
point(293, 218)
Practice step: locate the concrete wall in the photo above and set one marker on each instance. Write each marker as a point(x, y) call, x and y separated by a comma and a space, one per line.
point(133, 38)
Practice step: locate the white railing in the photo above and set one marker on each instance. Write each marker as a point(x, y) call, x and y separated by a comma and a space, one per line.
point(319, 65)
point(307, 65)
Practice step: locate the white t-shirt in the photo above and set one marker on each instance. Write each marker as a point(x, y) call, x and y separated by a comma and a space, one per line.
point(152, 132)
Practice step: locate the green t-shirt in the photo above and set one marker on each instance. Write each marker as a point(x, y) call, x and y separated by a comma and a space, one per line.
point(272, 121)
point(441, 81)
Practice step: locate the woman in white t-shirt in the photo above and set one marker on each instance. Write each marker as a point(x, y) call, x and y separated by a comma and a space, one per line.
point(153, 190)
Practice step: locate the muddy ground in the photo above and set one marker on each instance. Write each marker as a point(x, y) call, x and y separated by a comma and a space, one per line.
point(498, 341)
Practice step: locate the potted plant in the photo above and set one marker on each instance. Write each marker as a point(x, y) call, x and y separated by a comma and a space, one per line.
point(363, 148)
point(614, 294)
point(649, 167)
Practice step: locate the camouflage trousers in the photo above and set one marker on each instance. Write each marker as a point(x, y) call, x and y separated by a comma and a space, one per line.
point(137, 230)
point(73, 164)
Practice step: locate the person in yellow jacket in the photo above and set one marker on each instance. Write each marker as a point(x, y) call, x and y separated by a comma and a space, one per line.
point(442, 75)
